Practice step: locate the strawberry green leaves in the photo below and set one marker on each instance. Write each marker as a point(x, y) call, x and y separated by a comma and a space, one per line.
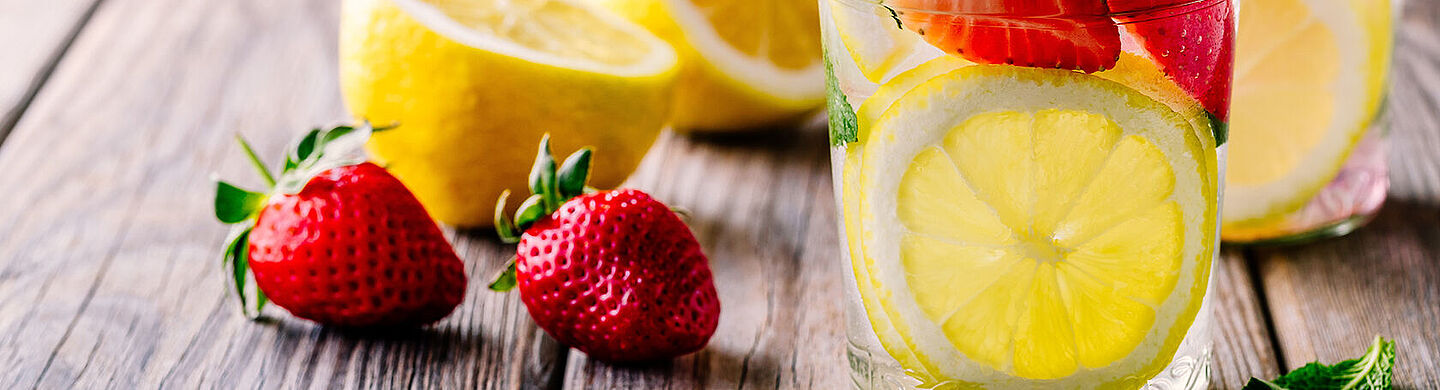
point(234, 204)
point(550, 187)
point(236, 261)
point(1369, 372)
point(315, 152)
point(506, 279)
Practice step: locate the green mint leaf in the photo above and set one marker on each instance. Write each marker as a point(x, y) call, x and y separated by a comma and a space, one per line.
point(1219, 128)
point(844, 128)
point(573, 173)
point(505, 280)
point(234, 204)
point(1260, 384)
point(1369, 372)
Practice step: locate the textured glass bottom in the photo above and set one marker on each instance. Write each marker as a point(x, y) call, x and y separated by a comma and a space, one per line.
point(871, 368)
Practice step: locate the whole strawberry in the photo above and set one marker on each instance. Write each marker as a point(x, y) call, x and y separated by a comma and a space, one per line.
point(338, 241)
point(615, 274)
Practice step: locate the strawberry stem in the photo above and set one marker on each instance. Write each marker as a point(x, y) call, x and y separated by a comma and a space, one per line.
point(255, 160)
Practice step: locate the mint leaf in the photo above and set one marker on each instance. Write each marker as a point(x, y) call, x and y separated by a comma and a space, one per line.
point(1219, 128)
point(1369, 372)
point(844, 128)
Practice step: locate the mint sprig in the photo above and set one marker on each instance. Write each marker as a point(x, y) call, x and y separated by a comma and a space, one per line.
point(844, 127)
point(1369, 372)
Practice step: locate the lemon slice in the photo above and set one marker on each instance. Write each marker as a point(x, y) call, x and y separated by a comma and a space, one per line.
point(874, 39)
point(1060, 233)
point(475, 83)
point(745, 63)
point(1309, 76)
point(851, 195)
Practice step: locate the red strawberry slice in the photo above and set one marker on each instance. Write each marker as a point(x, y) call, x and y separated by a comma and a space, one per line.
point(1064, 34)
point(1192, 43)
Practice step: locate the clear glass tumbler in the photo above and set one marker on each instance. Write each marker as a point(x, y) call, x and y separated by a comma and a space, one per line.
point(1029, 191)
point(1309, 133)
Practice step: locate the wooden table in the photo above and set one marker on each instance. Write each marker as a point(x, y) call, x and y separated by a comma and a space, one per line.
point(118, 112)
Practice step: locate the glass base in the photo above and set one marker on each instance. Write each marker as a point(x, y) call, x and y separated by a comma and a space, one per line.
point(1349, 201)
point(1189, 369)
point(1337, 229)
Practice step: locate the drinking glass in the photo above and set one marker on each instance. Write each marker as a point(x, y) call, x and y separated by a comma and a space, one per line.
point(1309, 133)
point(1029, 193)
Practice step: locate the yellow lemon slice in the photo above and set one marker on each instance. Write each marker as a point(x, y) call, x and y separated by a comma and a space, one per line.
point(745, 63)
point(877, 44)
point(1060, 233)
point(1309, 75)
point(475, 83)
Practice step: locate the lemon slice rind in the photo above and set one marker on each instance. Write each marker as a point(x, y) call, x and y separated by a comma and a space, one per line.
point(911, 122)
point(659, 57)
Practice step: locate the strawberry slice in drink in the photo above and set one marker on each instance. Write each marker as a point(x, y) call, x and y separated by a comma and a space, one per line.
point(1063, 34)
point(1191, 41)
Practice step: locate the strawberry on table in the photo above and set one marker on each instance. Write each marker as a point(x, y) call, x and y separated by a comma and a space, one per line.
point(1063, 34)
point(615, 274)
point(1191, 41)
point(338, 240)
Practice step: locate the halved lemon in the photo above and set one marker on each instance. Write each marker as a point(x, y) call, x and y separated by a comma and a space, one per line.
point(1309, 75)
point(745, 63)
point(1028, 226)
point(475, 83)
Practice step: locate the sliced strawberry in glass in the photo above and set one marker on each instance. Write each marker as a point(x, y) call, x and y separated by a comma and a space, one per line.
point(1064, 34)
point(1191, 41)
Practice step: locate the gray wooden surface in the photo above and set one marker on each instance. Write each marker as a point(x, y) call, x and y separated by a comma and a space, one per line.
point(118, 111)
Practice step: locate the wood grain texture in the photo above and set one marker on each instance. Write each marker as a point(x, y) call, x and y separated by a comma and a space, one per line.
point(1330, 298)
point(763, 208)
point(1242, 345)
point(109, 268)
point(109, 271)
point(33, 36)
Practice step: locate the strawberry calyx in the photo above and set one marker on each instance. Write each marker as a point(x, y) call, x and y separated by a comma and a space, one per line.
point(550, 187)
point(319, 150)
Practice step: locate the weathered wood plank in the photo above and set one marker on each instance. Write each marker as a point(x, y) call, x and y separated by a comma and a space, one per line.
point(1329, 298)
point(763, 209)
point(109, 275)
point(33, 36)
point(1242, 344)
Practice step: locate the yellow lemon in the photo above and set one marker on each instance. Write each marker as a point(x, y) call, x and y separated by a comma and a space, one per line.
point(475, 83)
point(991, 243)
point(745, 63)
point(1309, 77)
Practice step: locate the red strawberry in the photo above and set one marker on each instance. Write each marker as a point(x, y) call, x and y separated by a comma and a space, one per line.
point(1193, 44)
point(1064, 34)
point(339, 242)
point(615, 274)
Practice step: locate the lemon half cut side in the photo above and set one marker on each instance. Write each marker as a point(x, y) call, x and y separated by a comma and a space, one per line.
point(475, 83)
